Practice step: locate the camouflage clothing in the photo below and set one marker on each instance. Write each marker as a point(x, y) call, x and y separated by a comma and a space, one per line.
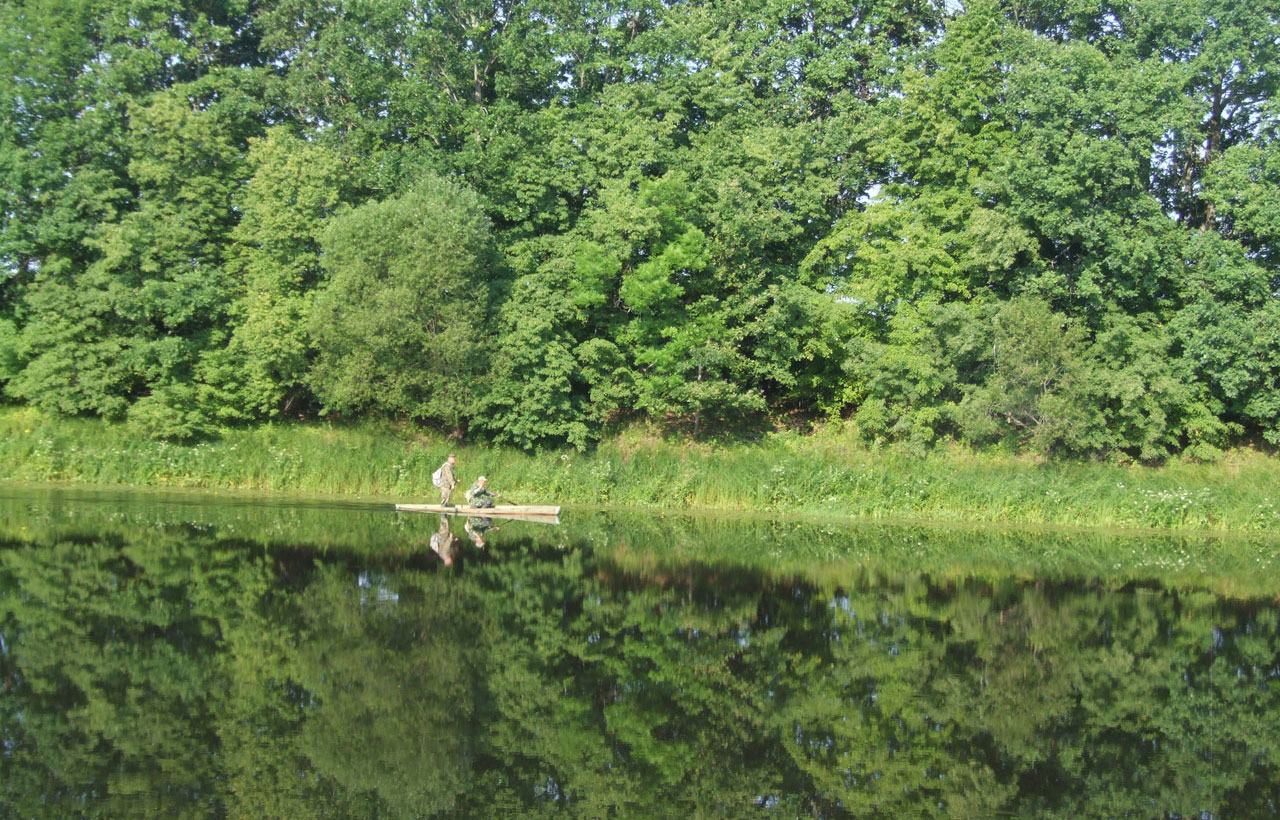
point(442, 541)
point(447, 483)
point(477, 527)
point(478, 496)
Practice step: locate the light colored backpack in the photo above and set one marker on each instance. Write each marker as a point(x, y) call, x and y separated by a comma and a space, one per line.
point(436, 477)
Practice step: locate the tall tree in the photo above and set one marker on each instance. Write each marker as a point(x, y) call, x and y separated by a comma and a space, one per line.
point(137, 320)
point(400, 324)
point(275, 261)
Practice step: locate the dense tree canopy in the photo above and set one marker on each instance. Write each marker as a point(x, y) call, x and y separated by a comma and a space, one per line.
point(704, 214)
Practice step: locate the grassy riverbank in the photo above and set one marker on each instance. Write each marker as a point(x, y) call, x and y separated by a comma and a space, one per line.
point(823, 474)
point(657, 548)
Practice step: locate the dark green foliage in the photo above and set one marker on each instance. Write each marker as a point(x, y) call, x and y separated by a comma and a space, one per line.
point(405, 734)
point(8, 350)
point(539, 388)
point(714, 216)
point(400, 323)
point(129, 155)
point(294, 188)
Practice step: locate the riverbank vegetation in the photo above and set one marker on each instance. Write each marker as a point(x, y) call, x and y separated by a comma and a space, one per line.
point(536, 224)
point(826, 473)
point(819, 549)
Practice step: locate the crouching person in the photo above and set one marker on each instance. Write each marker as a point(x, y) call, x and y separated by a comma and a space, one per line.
point(479, 495)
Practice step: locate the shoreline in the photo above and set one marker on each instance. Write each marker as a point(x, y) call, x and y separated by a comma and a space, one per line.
point(819, 476)
point(827, 552)
point(380, 503)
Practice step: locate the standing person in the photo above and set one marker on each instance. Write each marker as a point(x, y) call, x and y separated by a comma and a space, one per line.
point(479, 495)
point(443, 478)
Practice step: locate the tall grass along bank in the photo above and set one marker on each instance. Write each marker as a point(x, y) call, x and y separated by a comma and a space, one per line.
point(665, 548)
point(784, 473)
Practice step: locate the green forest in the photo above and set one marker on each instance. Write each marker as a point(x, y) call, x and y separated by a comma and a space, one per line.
point(1035, 225)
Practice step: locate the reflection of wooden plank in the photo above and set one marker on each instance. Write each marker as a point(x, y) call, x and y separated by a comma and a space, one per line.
point(533, 519)
point(514, 509)
point(545, 515)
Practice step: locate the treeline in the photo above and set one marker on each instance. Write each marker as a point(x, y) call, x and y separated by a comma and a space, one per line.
point(531, 222)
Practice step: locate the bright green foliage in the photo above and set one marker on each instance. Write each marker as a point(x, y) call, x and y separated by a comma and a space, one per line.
point(399, 325)
point(538, 388)
point(1228, 335)
point(934, 229)
point(1055, 393)
point(1228, 60)
point(1243, 187)
point(1018, 373)
point(712, 214)
point(295, 186)
point(1138, 397)
point(59, 170)
point(1080, 179)
point(676, 329)
point(926, 244)
point(123, 286)
point(138, 319)
point(8, 351)
point(1036, 362)
point(908, 385)
point(1027, 166)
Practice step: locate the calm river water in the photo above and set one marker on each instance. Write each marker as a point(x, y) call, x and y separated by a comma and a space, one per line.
point(205, 656)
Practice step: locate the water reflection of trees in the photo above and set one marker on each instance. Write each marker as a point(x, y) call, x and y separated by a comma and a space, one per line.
point(183, 676)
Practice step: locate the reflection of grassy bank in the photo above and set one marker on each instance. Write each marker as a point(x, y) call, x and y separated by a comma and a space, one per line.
point(827, 553)
point(785, 473)
point(833, 556)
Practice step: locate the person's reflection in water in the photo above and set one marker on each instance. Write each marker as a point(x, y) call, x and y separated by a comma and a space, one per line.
point(442, 541)
point(477, 527)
